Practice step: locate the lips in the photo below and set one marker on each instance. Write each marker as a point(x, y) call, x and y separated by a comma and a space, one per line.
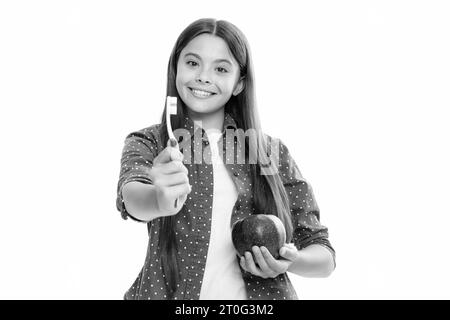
point(201, 93)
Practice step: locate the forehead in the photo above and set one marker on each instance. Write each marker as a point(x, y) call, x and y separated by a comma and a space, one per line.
point(209, 47)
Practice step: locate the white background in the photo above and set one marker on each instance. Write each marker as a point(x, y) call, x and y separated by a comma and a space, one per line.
point(358, 91)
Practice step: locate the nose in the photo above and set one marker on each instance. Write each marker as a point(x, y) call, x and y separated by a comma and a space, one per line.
point(203, 77)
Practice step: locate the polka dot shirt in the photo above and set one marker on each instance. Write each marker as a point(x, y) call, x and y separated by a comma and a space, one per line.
point(193, 222)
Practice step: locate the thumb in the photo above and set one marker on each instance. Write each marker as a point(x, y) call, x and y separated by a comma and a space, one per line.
point(175, 154)
point(170, 153)
point(288, 252)
point(172, 143)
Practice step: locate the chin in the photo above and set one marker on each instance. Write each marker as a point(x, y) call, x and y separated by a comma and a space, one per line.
point(202, 108)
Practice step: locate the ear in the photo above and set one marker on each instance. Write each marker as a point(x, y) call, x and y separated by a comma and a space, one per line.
point(239, 86)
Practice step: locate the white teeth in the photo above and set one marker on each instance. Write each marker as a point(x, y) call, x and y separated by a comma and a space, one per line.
point(201, 93)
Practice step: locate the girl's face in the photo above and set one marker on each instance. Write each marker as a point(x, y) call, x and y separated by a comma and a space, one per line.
point(207, 74)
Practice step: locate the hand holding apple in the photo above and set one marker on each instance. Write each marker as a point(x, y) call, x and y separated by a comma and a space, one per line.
point(266, 265)
point(260, 243)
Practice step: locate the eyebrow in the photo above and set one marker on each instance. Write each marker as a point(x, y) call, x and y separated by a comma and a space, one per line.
point(198, 57)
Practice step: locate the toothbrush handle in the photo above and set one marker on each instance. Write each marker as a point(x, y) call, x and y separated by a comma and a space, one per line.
point(173, 143)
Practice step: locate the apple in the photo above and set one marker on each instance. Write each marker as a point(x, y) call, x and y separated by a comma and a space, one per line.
point(259, 230)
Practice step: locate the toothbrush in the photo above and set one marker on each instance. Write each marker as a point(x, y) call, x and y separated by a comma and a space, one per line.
point(171, 109)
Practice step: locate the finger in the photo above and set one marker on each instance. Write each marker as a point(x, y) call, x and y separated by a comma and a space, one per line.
point(288, 252)
point(251, 267)
point(163, 157)
point(172, 143)
point(173, 167)
point(175, 154)
point(175, 179)
point(168, 154)
point(272, 263)
point(242, 263)
point(183, 198)
point(260, 260)
point(170, 180)
point(291, 245)
point(177, 191)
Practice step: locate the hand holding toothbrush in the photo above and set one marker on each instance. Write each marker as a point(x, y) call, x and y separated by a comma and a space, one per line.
point(169, 175)
point(170, 178)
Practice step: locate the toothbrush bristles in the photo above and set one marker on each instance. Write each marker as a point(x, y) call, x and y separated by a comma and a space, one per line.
point(172, 105)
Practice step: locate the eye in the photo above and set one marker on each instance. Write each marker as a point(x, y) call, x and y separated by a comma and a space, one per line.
point(192, 63)
point(222, 70)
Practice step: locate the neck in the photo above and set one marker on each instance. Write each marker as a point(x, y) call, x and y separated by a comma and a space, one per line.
point(209, 121)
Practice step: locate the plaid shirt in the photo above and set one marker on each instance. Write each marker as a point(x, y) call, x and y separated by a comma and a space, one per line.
point(193, 222)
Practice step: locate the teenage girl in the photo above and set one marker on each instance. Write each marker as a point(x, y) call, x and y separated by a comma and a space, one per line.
point(190, 202)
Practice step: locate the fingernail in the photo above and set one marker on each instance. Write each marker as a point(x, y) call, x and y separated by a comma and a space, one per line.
point(173, 143)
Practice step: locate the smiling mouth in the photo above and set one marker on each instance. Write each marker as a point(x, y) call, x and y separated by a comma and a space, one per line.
point(200, 93)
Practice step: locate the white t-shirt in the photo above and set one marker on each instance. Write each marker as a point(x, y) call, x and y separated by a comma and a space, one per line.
point(222, 279)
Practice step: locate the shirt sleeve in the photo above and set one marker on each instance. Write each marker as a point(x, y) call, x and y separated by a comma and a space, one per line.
point(307, 229)
point(139, 150)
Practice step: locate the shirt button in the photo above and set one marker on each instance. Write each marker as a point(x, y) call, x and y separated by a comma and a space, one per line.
point(206, 142)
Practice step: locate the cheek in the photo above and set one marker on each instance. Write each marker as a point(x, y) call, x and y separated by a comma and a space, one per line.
point(178, 81)
point(232, 82)
point(181, 80)
point(230, 85)
point(184, 76)
point(179, 77)
point(182, 72)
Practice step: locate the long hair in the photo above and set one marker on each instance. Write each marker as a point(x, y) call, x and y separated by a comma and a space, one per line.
point(269, 195)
